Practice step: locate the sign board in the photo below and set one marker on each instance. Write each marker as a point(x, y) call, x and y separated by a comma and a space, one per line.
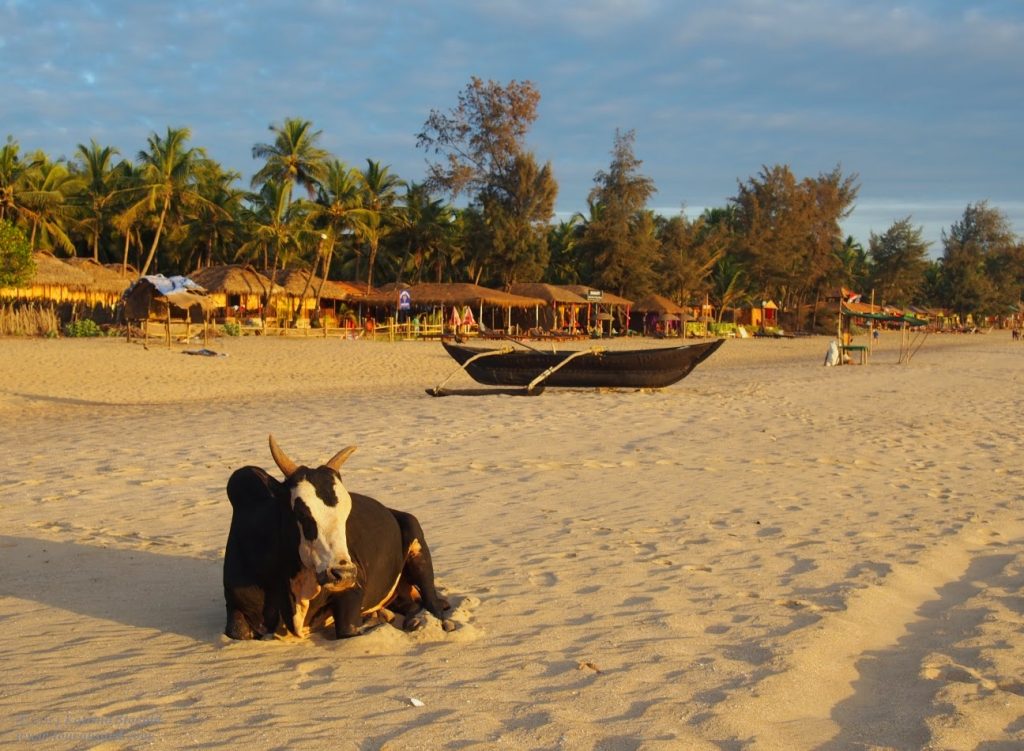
point(404, 300)
point(594, 295)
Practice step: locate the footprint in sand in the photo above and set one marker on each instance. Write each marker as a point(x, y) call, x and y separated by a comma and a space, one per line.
point(542, 579)
point(805, 605)
point(310, 673)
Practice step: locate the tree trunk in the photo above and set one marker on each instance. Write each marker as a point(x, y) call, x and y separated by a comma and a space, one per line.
point(326, 270)
point(305, 291)
point(369, 265)
point(156, 239)
point(127, 245)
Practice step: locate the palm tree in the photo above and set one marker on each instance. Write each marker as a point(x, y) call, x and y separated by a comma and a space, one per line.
point(98, 194)
point(30, 193)
point(379, 196)
point(293, 158)
point(15, 199)
point(54, 186)
point(217, 225)
point(729, 284)
point(276, 228)
point(563, 268)
point(129, 181)
point(168, 174)
point(852, 266)
point(337, 212)
point(425, 231)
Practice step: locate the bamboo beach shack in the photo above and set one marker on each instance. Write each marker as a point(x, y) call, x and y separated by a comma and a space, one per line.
point(237, 293)
point(107, 283)
point(602, 307)
point(560, 314)
point(445, 303)
point(311, 298)
point(657, 309)
point(52, 281)
point(52, 295)
point(165, 299)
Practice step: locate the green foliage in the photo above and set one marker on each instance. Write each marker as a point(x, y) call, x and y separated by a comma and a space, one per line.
point(232, 329)
point(175, 210)
point(788, 230)
point(16, 264)
point(981, 266)
point(484, 155)
point(82, 328)
point(899, 257)
point(620, 240)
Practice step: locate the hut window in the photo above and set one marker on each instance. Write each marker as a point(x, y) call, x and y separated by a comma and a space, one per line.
point(234, 301)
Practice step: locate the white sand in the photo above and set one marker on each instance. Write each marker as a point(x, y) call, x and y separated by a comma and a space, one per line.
point(770, 554)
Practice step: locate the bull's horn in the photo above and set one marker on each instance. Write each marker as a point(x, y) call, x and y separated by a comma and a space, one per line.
point(338, 459)
point(283, 463)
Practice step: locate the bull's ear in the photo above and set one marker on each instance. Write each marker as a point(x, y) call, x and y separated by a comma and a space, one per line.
point(282, 461)
point(338, 459)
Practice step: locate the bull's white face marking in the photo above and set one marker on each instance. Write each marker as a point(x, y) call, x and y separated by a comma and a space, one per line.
point(324, 544)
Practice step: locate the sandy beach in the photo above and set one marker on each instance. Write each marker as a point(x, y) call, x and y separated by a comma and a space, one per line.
point(770, 554)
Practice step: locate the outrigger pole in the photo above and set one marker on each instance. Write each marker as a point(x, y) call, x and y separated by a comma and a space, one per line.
point(436, 391)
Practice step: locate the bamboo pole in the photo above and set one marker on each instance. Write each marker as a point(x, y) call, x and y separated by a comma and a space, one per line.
point(871, 324)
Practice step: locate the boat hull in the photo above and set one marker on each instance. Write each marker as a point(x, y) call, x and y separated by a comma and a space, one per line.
point(636, 368)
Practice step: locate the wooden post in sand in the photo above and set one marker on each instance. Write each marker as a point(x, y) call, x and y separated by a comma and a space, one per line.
point(871, 323)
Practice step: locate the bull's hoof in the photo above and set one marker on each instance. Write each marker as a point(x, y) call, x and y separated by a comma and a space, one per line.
point(448, 625)
point(346, 632)
point(238, 627)
point(413, 623)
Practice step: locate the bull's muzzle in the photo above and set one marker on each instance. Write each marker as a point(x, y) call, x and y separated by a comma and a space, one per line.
point(340, 573)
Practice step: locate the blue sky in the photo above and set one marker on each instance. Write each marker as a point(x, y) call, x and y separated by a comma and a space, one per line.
point(923, 100)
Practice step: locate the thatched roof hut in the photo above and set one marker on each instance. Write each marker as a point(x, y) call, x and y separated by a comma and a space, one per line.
point(126, 270)
point(607, 298)
point(455, 293)
point(233, 279)
point(235, 290)
point(660, 305)
point(161, 298)
point(106, 281)
point(294, 283)
point(548, 292)
point(51, 279)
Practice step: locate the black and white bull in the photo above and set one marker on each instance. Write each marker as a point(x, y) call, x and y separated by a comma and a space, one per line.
point(305, 548)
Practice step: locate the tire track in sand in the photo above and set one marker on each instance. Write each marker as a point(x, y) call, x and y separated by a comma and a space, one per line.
point(824, 675)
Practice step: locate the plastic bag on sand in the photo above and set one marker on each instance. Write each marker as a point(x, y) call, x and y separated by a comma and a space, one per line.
point(832, 355)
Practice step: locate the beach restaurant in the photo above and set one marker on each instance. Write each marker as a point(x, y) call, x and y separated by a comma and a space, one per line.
point(428, 309)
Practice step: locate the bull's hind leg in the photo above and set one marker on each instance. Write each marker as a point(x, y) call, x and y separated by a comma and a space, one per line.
point(418, 571)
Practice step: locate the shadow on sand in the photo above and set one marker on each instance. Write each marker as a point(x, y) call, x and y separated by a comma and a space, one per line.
point(137, 588)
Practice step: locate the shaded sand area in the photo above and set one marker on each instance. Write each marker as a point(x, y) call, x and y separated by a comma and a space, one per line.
point(768, 555)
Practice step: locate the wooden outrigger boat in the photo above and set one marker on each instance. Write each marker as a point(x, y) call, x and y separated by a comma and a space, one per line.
point(533, 369)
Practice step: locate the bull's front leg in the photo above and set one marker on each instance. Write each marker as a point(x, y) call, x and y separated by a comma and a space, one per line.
point(347, 609)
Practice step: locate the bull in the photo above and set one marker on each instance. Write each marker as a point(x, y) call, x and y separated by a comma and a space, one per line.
point(306, 548)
